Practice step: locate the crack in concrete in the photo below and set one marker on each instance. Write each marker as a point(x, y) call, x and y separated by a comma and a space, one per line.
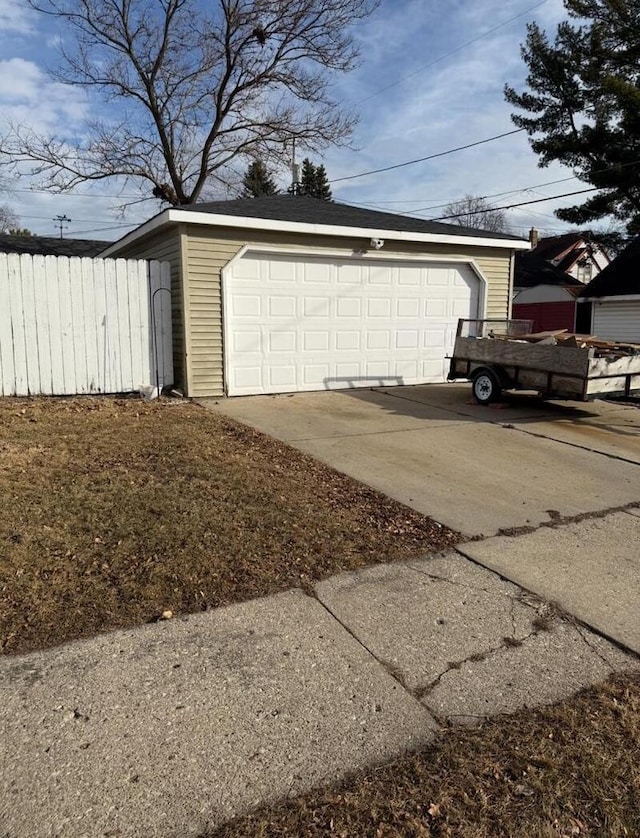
point(436, 578)
point(570, 444)
point(388, 667)
point(512, 615)
point(596, 652)
point(476, 657)
point(506, 643)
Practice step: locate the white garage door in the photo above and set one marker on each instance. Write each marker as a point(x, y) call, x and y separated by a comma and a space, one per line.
point(296, 323)
point(617, 321)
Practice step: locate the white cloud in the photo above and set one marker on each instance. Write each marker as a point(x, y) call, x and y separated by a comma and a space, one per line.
point(16, 18)
point(29, 97)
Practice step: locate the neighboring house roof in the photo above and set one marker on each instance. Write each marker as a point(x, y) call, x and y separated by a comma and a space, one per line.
point(553, 258)
point(621, 277)
point(531, 269)
point(50, 246)
point(565, 250)
point(553, 247)
point(303, 214)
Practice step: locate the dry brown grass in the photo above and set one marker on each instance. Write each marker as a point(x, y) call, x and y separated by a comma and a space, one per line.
point(114, 511)
point(567, 771)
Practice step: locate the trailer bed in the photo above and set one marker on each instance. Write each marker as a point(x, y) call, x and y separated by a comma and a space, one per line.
point(557, 365)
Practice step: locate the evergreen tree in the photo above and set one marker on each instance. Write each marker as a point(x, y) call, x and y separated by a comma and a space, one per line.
point(582, 106)
point(257, 181)
point(322, 188)
point(314, 181)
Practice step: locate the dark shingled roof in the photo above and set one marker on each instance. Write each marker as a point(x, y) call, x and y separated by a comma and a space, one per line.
point(50, 246)
point(622, 276)
point(552, 246)
point(530, 270)
point(306, 210)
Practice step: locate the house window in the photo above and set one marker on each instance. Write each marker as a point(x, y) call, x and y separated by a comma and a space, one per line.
point(584, 272)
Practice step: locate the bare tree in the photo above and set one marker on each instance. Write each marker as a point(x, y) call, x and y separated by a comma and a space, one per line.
point(473, 211)
point(9, 221)
point(189, 86)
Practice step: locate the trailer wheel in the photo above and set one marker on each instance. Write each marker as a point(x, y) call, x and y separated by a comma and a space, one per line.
point(486, 386)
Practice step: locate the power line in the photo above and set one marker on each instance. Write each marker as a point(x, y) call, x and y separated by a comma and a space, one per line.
point(78, 194)
point(511, 206)
point(451, 52)
point(105, 229)
point(534, 186)
point(429, 157)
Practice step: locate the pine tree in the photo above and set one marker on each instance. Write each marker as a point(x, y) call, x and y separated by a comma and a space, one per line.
point(257, 181)
point(314, 181)
point(582, 106)
point(322, 188)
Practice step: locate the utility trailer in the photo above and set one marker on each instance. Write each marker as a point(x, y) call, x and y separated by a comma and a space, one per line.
point(497, 355)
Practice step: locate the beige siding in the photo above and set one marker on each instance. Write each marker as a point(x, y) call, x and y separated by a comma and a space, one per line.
point(208, 250)
point(166, 247)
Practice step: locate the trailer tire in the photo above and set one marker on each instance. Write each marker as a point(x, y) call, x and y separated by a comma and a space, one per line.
point(487, 387)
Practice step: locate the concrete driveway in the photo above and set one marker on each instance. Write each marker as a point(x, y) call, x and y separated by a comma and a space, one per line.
point(476, 469)
point(504, 476)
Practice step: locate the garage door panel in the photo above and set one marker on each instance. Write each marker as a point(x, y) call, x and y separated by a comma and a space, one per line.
point(410, 276)
point(279, 270)
point(435, 307)
point(245, 340)
point(379, 275)
point(407, 339)
point(437, 277)
point(282, 376)
point(316, 307)
point(349, 275)
point(348, 341)
point(408, 307)
point(349, 307)
point(281, 341)
point(379, 307)
point(247, 305)
point(329, 325)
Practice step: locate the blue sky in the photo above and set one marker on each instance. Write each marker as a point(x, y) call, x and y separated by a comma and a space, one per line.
point(431, 78)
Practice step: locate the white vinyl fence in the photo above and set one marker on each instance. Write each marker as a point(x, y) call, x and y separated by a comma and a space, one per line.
point(71, 325)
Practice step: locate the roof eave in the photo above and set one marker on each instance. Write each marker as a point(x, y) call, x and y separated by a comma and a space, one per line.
point(610, 298)
point(174, 215)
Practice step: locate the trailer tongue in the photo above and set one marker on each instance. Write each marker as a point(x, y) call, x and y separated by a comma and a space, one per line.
point(499, 355)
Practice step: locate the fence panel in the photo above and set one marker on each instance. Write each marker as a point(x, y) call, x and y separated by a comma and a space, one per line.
point(71, 325)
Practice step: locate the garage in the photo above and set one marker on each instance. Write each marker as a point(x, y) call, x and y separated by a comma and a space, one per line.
point(289, 293)
point(298, 322)
point(617, 320)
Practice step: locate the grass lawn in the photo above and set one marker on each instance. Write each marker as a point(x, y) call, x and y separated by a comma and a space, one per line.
point(567, 771)
point(115, 511)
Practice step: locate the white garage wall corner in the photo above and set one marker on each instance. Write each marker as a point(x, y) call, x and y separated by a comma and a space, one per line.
point(316, 319)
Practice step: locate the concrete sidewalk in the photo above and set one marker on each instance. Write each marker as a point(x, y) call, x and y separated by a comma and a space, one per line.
point(591, 568)
point(175, 727)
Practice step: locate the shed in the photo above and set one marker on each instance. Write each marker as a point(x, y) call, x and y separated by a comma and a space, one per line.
point(289, 293)
point(548, 306)
point(614, 297)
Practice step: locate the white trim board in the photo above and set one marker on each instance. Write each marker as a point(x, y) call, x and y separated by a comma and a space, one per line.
point(621, 298)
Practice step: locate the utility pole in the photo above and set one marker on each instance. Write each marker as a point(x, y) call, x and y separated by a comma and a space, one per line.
point(294, 189)
point(61, 222)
